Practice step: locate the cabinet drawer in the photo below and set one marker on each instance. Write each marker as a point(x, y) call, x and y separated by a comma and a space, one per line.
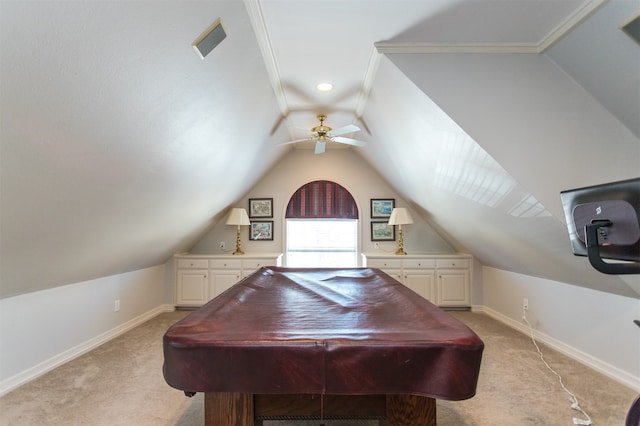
point(396, 274)
point(384, 263)
point(192, 264)
point(453, 263)
point(419, 263)
point(252, 264)
point(225, 263)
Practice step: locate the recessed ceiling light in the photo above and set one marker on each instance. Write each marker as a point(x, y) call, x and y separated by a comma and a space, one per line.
point(324, 87)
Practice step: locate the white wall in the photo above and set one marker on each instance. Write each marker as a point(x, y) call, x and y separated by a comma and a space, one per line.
point(343, 166)
point(44, 329)
point(594, 327)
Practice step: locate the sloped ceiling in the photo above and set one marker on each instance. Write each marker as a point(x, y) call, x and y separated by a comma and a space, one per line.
point(120, 146)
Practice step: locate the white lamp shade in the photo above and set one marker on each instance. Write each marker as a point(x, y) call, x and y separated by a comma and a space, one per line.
point(400, 216)
point(238, 217)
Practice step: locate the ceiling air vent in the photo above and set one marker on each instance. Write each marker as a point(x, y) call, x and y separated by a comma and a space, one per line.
point(632, 28)
point(209, 39)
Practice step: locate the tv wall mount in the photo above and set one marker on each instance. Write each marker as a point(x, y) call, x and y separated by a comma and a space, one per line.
point(603, 223)
point(592, 231)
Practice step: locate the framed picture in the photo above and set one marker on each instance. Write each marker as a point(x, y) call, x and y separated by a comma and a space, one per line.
point(261, 231)
point(260, 207)
point(382, 231)
point(382, 208)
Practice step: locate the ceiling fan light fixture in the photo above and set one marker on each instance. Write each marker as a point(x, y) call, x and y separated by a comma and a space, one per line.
point(322, 134)
point(324, 87)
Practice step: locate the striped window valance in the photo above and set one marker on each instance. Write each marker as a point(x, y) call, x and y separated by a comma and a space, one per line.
point(322, 199)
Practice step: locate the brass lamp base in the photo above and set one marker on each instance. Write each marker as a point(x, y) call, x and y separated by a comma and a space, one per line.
point(238, 250)
point(400, 250)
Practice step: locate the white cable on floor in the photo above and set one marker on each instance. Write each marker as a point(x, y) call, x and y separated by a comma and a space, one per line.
point(574, 401)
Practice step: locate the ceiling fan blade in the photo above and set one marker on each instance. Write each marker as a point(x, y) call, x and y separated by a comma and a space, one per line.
point(348, 141)
point(320, 147)
point(344, 130)
point(295, 141)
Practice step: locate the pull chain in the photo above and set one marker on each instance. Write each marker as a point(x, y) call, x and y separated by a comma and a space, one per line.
point(321, 409)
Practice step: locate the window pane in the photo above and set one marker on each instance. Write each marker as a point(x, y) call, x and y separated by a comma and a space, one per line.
point(322, 243)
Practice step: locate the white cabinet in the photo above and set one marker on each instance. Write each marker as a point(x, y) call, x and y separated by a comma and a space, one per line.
point(419, 275)
point(224, 273)
point(192, 281)
point(390, 266)
point(192, 287)
point(200, 278)
point(250, 264)
point(453, 282)
point(442, 279)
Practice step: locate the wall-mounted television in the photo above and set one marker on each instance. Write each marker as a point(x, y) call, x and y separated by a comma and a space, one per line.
point(615, 208)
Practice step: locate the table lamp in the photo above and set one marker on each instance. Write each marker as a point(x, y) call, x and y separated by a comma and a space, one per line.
point(400, 216)
point(238, 217)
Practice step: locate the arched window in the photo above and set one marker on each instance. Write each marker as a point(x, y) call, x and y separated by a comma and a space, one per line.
point(322, 199)
point(322, 226)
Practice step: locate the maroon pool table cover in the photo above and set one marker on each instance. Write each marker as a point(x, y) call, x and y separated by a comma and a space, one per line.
point(329, 331)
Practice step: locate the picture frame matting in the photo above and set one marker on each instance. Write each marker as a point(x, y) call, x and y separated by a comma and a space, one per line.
point(381, 208)
point(260, 207)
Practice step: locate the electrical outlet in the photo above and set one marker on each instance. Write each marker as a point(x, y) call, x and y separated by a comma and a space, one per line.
point(525, 304)
point(222, 245)
point(376, 245)
point(116, 305)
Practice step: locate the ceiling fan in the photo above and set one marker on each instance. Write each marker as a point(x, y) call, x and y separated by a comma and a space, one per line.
point(323, 134)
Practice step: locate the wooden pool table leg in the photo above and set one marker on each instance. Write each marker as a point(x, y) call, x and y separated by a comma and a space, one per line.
point(237, 409)
point(228, 409)
point(405, 410)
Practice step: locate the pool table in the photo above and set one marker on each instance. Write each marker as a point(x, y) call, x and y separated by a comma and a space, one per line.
point(321, 343)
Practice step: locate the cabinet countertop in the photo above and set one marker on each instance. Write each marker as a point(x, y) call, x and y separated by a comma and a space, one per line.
point(414, 255)
point(227, 256)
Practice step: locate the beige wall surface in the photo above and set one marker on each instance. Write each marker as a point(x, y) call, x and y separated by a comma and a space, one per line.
point(342, 166)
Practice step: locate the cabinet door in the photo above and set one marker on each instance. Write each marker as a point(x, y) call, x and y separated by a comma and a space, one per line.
point(222, 280)
point(453, 288)
point(422, 282)
point(192, 287)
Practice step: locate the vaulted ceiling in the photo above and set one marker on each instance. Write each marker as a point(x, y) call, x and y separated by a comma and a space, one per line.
point(120, 146)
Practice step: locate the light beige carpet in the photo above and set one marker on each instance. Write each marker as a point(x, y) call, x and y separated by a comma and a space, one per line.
point(121, 383)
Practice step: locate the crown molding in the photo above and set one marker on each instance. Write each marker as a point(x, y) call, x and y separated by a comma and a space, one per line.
point(385, 47)
point(367, 83)
point(264, 42)
point(566, 26)
point(576, 18)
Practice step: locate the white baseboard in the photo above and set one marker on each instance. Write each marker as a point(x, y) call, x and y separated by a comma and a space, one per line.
point(602, 367)
point(19, 379)
point(38, 370)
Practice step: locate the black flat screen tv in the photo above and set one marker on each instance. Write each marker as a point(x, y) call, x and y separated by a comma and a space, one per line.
point(616, 204)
